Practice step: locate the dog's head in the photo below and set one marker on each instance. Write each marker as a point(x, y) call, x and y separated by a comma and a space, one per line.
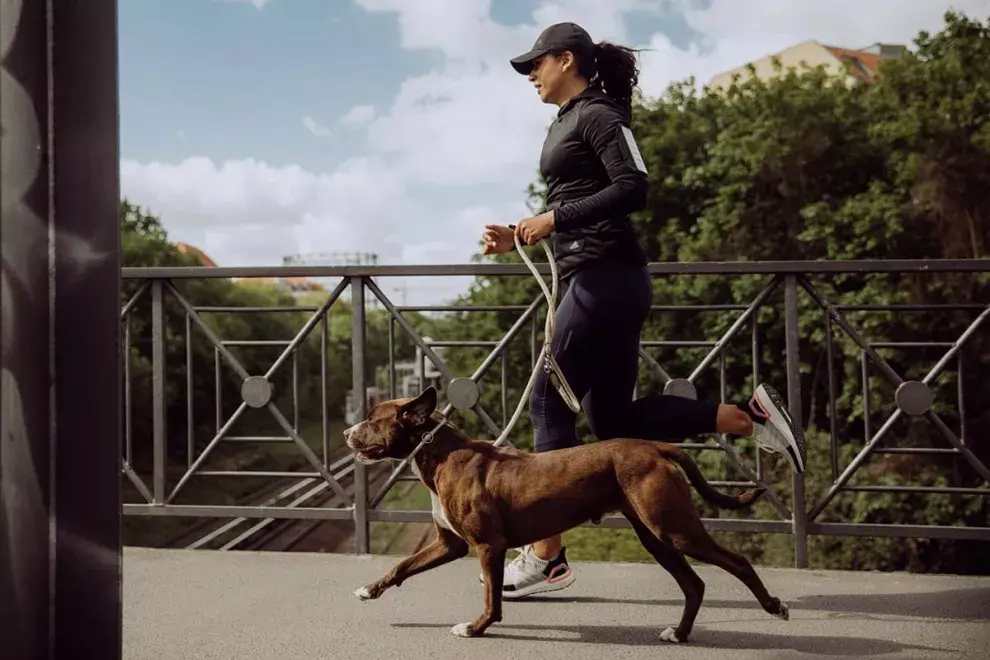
point(393, 428)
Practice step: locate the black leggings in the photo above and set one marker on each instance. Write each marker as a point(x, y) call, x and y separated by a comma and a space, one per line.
point(596, 344)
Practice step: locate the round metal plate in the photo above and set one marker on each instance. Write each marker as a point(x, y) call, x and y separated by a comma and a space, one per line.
point(256, 391)
point(681, 387)
point(914, 397)
point(463, 393)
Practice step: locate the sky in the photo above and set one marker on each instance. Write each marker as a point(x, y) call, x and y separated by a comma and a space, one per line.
point(257, 129)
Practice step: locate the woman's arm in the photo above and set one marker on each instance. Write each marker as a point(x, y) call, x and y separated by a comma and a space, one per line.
point(602, 127)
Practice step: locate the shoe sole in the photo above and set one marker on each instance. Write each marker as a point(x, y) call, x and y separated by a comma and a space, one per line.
point(540, 587)
point(775, 406)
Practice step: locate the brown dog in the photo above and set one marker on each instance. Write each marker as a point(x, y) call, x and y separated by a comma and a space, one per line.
point(496, 498)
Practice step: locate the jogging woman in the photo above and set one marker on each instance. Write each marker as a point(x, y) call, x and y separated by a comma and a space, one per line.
point(595, 178)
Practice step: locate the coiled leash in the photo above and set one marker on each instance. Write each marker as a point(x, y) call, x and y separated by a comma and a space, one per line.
point(464, 392)
point(550, 365)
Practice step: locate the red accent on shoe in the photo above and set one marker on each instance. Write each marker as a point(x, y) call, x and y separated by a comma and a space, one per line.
point(757, 407)
point(558, 573)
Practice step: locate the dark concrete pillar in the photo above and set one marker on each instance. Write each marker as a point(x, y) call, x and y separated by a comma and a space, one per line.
point(60, 562)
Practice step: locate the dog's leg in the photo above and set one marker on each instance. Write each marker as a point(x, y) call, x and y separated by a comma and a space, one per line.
point(701, 546)
point(446, 547)
point(492, 559)
point(690, 582)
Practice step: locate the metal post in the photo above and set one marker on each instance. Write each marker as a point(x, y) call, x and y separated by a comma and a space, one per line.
point(324, 410)
point(867, 410)
point(218, 390)
point(295, 390)
point(190, 397)
point(755, 345)
point(362, 529)
point(60, 459)
point(158, 389)
point(391, 358)
point(833, 423)
point(799, 512)
point(504, 378)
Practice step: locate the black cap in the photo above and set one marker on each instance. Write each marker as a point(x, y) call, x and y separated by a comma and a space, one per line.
point(560, 36)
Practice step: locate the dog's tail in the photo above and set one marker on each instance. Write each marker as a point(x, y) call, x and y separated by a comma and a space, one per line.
point(712, 496)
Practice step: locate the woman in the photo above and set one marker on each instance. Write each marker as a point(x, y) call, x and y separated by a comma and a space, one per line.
point(595, 179)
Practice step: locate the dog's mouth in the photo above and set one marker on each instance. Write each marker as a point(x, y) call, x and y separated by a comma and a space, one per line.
point(369, 454)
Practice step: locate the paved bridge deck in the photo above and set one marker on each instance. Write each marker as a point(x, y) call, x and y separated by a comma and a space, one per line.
point(196, 604)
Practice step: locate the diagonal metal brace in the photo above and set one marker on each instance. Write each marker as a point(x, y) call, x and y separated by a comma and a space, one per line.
point(896, 380)
point(734, 329)
point(430, 353)
point(241, 371)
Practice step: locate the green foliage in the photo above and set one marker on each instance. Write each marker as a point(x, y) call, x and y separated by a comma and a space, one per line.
point(807, 166)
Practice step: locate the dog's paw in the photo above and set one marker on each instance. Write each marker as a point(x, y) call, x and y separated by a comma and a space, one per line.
point(670, 635)
point(462, 630)
point(364, 594)
point(783, 611)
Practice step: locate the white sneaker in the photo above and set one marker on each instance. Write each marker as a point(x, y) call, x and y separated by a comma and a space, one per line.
point(527, 574)
point(779, 433)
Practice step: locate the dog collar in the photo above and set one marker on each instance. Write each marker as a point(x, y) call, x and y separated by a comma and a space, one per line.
point(428, 436)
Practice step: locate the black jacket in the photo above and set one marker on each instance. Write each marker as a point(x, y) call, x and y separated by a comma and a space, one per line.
point(595, 178)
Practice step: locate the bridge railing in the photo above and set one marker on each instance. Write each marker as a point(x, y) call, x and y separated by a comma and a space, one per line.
point(786, 293)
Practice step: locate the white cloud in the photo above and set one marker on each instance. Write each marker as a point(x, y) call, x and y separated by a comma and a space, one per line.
point(316, 128)
point(359, 114)
point(475, 120)
point(249, 213)
point(473, 124)
point(461, 29)
point(258, 4)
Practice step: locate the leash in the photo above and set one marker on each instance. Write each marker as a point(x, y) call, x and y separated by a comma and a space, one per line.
point(550, 365)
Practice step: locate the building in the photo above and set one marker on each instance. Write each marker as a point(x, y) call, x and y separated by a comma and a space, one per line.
point(195, 252)
point(861, 64)
point(298, 287)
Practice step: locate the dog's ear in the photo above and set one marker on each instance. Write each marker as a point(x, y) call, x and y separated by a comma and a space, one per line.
point(418, 411)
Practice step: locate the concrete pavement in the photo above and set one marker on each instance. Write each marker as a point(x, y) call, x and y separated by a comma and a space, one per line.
point(195, 604)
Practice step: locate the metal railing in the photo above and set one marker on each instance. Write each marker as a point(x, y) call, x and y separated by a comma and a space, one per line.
point(796, 514)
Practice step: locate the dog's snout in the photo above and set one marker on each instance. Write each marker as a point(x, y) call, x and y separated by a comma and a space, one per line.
point(348, 432)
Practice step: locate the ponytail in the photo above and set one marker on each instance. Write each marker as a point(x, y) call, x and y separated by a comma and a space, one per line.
point(614, 69)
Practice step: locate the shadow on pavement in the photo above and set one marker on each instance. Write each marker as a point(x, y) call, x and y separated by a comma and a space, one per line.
point(957, 604)
point(701, 637)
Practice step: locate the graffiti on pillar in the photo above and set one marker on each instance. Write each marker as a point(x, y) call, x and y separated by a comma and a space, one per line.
point(27, 296)
point(22, 502)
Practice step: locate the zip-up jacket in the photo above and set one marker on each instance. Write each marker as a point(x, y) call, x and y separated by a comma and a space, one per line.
point(595, 178)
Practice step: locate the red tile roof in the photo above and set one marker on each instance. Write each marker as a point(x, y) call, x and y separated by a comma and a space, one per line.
point(185, 248)
point(865, 66)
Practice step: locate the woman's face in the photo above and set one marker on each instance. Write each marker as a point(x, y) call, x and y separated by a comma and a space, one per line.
point(549, 76)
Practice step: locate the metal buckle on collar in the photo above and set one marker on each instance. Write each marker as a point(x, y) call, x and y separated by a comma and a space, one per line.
point(428, 436)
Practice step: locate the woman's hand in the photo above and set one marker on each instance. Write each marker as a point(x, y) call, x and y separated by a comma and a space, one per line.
point(497, 239)
point(531, 230)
